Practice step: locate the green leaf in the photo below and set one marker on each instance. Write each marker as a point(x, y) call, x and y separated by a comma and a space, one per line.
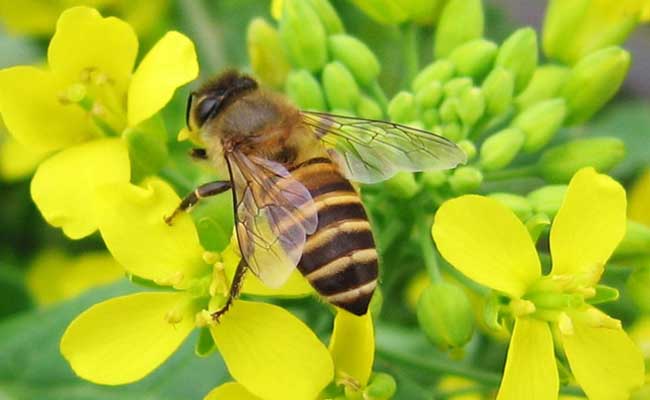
point(14, 296)
point(31, 366)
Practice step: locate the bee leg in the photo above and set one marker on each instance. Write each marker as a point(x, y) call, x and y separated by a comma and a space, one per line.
point(205, 190)
point(235, 288)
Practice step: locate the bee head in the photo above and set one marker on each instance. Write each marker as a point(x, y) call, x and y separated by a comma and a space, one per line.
point(215, 96)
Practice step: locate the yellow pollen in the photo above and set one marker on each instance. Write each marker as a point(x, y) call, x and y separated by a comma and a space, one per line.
point(522, 307)
point(565, 324)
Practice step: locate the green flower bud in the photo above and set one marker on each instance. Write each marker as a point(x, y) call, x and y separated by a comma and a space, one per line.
point(430, 117)
point(501, 148)
point(518, 204)
point(328, 16)
point(456, 86)
point(368, 108)
point(518, 54)
point(638, 285)
point(471, 106)
point(452, 131)
point(402, 185)
point(540, 123)
point(402, 107)
point(147, 143)
point(356, 56)
point(381, 387)
point(498, 89)
point(341, 89)
point(465, 180)
point(536, 225)
point(305, 91)
point(593, 81)
point(428, 96)
point(303, 35)
point(559, 163)
point(376, 303)
point(636, 241)
point(547, 82)
point(461, 21)
point(445, 315)
point(441, 70)
point(474, 58)
point(266, 54)
point(449, 111)
point(433, 179)
point(547, 199)
point(387, 12)
point(469, 148)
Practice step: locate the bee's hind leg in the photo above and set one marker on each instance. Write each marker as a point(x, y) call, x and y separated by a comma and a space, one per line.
point(235, 288)
point(205, 190)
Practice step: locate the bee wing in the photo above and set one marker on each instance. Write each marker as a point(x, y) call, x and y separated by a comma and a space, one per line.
point(274, 214)
point(370, 151)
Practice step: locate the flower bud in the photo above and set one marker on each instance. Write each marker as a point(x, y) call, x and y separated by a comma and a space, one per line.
point(381, 387)
point(559, 163)
point(501, 148)
point(638, 285)
point(469, 148)
point(147, 143)
point(341, 89)
point(428, 96)
point(518, 204)
point(266, 54)
point(449, 110)
point(387, 12)
point(498, 88)
point(547, 82)
point(518, 54)
point(547, 199)
point(402, 108)
point(328, 16)
point(368, 108)
point(452, 131)
point(445, 315)
point(402, 185)
point(441, 70)
point(304, 90)
point(465, 180)
point(455, 87)
point(540, 123)
point(593, 81)
point(355, 55)
point(471, 106)
point(433, 179)
point(474, 58)
point(303, 35)
point(636, 241)
point(461, 21)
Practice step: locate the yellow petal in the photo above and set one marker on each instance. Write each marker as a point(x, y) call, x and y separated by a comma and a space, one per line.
point(131, 223)
point(230, 391)
point(639, 199)
point(604, 360)
point(33, 113)
point(123, 339)
point(353, 347)
point(589, 225)
point(485, 241)
point(63, 186)
point(295, 286)
point(85, 42)
point(530, 371)
point(16, 161)
point(170, 64)
point(272, 353)
point(53, 277)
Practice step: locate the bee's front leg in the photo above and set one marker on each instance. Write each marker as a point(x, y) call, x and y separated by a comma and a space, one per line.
point(205, 190)
point(235, 288)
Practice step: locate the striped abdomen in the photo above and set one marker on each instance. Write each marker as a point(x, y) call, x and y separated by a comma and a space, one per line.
point(339, 259)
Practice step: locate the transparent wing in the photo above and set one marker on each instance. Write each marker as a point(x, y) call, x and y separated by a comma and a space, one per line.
point(274, 214)
point(369, 151)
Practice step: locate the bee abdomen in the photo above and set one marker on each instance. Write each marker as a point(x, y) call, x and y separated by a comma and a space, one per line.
point(339, 259)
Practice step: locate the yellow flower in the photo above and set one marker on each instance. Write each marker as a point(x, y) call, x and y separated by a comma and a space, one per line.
point(267, 350)
point(488, 243)
point(639, 199)
point(81, 104)
point(53, 276)
point(16, 160)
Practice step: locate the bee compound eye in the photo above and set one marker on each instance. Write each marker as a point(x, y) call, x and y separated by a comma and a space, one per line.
point(207, 108)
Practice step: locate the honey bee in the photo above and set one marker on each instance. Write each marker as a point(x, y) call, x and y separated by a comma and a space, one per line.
point(290, 172)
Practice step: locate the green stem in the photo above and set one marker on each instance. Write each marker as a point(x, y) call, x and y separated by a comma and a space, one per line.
point(378, 94)
point(426, 247)
point(411, 52)
point(205, 33)
point(512, 173)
